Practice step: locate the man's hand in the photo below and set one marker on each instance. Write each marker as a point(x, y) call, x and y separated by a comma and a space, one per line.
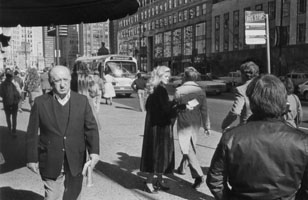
point(94, 159)
point(33, 167)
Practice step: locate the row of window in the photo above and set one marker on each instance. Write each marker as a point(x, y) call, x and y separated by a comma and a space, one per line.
point(300, 34)
point(156, 11)
point(180, 16)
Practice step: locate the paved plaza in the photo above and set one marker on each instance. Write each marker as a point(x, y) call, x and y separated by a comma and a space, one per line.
point(117, 175)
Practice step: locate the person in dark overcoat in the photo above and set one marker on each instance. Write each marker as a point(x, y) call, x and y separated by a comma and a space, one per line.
point(158, 146)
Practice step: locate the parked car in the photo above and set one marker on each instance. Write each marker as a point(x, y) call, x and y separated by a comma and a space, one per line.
point(210, 86)
point(233, 78)
point(297, 77)
point(303, 90)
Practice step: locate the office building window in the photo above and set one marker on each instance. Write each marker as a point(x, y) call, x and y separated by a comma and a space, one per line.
point(203, 9)
point(200, 35)
point(170, 19)
point(161, 22)
point(226, 31)
point(286, 8)
point(167, 44)
point(300, 34)
point(197, 11)
point(177, 42)
point(185, 15)
point(175, 18)
point(271, 10)
point(180, 16)
point(166, 21)
point(188, 40)
point(170, 4)
point(158, 50)
point(175, 3)
point(191, 13)
point(301, 6)
point(217, 33)
point(236, 29)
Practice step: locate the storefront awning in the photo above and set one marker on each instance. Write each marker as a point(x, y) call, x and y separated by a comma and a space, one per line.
point(57, 12)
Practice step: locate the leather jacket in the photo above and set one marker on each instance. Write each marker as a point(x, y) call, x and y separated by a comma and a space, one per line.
point(261, 160)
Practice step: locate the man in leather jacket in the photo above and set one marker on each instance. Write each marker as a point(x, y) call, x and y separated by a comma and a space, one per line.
point(265, 158)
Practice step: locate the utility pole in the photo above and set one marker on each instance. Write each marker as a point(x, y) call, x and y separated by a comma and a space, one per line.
point(280, 37)
point(139, 53)
point(57, 51)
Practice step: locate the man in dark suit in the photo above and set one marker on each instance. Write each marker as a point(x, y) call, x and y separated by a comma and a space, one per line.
point(68, 131)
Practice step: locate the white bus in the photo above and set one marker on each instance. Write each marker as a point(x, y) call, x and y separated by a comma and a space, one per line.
point(122, 68)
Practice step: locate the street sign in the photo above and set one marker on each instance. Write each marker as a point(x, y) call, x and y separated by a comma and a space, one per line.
point(255, 27)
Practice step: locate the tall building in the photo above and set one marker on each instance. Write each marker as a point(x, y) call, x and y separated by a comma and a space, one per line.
point(210, 35)
point(69, 46)
point(288, 35)
point(175, 33)
point(91, 36)
point(25, 48)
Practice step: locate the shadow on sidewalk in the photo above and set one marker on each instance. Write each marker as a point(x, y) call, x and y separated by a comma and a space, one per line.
point(120, 175)
point(13, 149)
point(8, 193)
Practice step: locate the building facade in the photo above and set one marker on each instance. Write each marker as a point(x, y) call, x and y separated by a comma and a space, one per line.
point(25, 48)
point(91, 36)
point(287, 28)
point(210, 35)
point(175, 33)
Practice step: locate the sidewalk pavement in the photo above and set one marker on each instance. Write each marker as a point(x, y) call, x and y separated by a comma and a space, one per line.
point(117, 175)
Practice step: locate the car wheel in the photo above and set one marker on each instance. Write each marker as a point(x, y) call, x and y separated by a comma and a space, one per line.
point(127, 95)
point(306, 95)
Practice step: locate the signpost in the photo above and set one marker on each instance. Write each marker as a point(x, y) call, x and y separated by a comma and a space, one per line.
point(257, 31)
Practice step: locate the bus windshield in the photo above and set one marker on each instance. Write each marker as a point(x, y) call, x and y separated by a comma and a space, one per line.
point(121, 68)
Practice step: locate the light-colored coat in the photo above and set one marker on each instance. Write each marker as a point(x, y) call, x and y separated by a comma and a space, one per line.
point(240, 107)
point(189, 122)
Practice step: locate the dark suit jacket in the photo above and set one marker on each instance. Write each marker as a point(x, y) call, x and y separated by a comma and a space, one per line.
point(50, 145)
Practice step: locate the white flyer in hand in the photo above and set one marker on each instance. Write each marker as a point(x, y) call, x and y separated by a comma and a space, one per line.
point(193, 103)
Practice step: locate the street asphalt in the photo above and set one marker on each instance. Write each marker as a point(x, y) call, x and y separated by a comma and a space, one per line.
point(117, 174)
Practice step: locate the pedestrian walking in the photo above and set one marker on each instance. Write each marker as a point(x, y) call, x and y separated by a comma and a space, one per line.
point(265, 158)
point(158, 146)
point(20, 83)
point(68, 131)
point(109, 91)
point(139, 85)
point(33, 85)
point(294, 112)
point(45, 81)
point(240, 107)
point(189, 123)
point(94, 96)
point(100, 82)
point(11, 95)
